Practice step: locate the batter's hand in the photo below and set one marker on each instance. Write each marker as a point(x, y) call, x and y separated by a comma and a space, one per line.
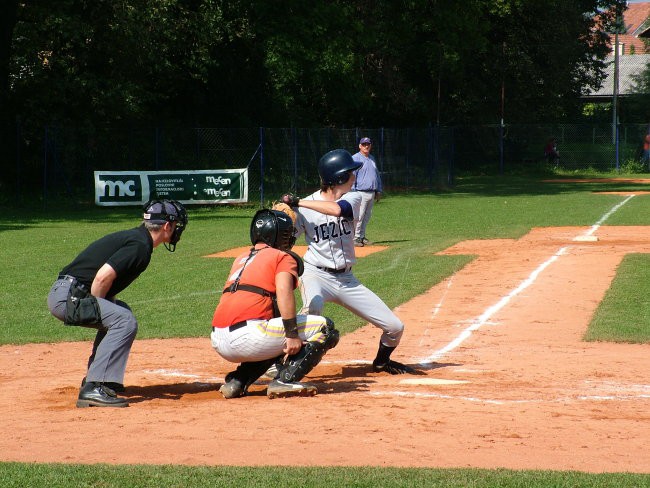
point(377, 196)
point(290, 199)
point(293, 346)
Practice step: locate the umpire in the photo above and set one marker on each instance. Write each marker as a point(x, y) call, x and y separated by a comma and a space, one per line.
point(85, 293)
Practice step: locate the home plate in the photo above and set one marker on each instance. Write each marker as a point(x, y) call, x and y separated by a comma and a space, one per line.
point(431, 381)
point(585, 239)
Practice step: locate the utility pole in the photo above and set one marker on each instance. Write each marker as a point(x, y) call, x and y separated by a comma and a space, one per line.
point(615, 87)
point(617, 29)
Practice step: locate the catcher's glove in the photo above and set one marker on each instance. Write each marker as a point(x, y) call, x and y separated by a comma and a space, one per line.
point(289, 199)
point(283, 207)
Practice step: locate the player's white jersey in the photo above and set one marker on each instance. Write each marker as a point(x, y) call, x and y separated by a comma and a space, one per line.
point(330, 239)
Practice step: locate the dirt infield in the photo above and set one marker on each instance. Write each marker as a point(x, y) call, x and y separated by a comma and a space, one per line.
point(508, 382)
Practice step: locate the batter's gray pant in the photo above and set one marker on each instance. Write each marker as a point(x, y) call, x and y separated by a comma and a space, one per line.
point(318, 287)
point(112, 346)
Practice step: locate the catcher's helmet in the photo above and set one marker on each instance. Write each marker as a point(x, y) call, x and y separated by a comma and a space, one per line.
point(161, 211)
point(274, 228)
point(334, 168)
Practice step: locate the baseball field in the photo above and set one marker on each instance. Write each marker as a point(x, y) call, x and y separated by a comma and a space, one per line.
point(527, 311)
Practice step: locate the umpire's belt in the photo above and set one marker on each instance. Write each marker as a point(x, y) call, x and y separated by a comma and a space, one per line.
point(334, 270)
point(74, 281)
point(233, 327)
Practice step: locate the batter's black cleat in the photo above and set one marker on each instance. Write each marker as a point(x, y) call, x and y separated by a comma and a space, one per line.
point(392, 367)
point(97, 395)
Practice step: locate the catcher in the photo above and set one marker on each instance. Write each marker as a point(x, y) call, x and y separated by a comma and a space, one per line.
point(255, 322)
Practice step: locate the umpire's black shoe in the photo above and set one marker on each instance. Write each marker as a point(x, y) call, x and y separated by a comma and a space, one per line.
point(116, 387)
point(97, 395)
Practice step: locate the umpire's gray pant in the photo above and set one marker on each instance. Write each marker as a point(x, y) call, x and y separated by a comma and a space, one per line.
point(112, 345)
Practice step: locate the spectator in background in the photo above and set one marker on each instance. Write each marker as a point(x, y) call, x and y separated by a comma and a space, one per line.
point(368, 183)
point(551, 153)
point(646, 150)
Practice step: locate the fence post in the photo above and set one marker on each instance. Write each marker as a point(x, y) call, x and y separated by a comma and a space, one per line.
point(501, 148)
point(436, 153)
point(156, 163)
point(18, 155)
point(430, 156)
point(616, 147)
point(261, 167)
point(450, 176)
point(198, 147)
point(407, 157)
point(45, 144)
point(294, 136)
point(381, 150)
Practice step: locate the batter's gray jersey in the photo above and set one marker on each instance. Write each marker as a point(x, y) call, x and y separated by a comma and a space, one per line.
point(328, 276)
point(330, 239)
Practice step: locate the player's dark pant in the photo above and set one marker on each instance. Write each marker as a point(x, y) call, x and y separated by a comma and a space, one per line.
point(113, 340)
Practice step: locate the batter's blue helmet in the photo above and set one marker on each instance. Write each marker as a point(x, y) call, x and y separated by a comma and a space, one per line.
point(334, 168)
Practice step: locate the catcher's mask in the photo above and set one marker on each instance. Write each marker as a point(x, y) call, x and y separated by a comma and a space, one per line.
point(335, 167)
point(273, 227)
point(162, 211)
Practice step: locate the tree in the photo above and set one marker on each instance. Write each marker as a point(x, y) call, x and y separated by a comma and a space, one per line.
point(334, 62)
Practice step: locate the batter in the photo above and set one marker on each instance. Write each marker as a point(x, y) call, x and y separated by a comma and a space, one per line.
point(327, 218)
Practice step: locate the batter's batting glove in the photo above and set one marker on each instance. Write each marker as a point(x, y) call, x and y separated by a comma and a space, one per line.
point(393, 367)
point(289, 199)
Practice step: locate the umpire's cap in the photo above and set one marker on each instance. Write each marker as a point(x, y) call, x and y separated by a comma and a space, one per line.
point(161, 211)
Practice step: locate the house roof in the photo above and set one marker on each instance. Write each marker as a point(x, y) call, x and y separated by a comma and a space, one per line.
point(635, 26)
point(629, 67)
point(635, 16)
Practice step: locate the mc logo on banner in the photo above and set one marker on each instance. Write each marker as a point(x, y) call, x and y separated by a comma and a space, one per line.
point(113, 188)
point(118, 188)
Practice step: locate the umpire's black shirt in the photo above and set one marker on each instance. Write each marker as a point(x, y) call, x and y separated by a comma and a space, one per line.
point(128, 252)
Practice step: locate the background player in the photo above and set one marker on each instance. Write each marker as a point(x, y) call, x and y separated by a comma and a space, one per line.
point(255, 321)
point(368, 183)
point(327, 218)
point(86, 289)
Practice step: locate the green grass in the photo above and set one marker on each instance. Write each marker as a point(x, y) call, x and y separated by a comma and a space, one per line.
point(64, 476)
point(176, 297)
point(624, 314)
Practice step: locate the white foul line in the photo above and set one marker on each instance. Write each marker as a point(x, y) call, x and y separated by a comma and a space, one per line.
point(595, 227)
point(479, 321)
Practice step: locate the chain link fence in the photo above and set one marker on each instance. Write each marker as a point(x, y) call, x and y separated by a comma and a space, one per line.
point(58, 162)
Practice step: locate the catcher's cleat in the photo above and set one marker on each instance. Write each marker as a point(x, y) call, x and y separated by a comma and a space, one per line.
point(272, 372)
point(393, 367)
point(97, 395)
point(232, 388)
point(281, 389)
point(366, 242)
point(359, 242)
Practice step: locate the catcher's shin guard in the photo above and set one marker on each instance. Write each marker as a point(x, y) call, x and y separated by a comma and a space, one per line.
point(299, 365)
point(331, 335)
